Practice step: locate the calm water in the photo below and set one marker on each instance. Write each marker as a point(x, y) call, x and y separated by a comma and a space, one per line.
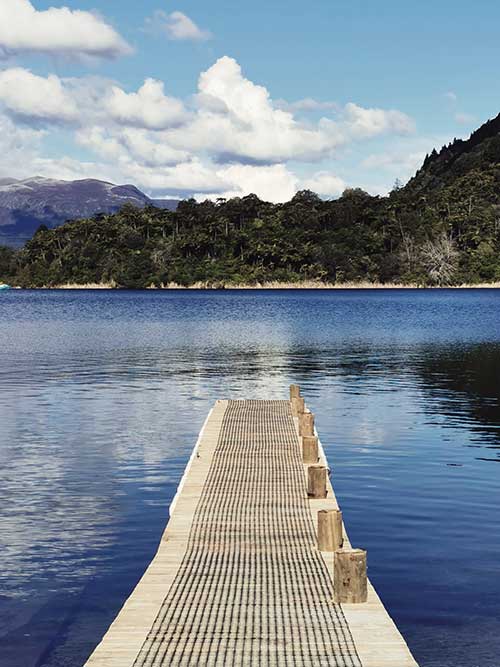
point(102, 395)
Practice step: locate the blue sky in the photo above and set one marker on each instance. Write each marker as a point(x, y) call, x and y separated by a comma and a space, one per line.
point(323, 95)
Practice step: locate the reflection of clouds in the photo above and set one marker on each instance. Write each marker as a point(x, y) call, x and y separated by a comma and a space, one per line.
point(51, 502)
point(86, 435)
point(369, 433)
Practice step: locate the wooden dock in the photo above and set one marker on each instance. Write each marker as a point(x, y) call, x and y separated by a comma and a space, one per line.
point(238, 578)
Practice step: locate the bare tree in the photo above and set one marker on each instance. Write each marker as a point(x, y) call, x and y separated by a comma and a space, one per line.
point(409, 246)
point(440, 259)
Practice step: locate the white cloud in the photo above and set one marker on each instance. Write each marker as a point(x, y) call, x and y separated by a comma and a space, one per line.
point(148, 108)
point(237, 121)
point(325, 184)
point(19, 147)
point(271, 183)
point(406, 162)
point(177, 26)
point(33, 97)
point(57, 31)
point(307, 104)
point(229, 138)
point(130, 144)
point(372, 122)
point(181, 179)
point(400, 159)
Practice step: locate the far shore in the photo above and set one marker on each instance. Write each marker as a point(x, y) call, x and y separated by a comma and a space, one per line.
point(306, 284)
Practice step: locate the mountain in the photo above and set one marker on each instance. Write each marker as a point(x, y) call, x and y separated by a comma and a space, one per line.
point(26, 204)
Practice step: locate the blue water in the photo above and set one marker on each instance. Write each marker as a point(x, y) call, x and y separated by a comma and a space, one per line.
point(102, 395)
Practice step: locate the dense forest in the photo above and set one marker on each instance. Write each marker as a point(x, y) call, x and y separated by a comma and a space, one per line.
point(442, 228)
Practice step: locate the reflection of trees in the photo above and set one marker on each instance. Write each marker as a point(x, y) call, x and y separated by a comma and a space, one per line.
point(465, 381)
point(460, 383)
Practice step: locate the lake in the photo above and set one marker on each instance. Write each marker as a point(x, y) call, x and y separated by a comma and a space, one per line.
point(103, 393)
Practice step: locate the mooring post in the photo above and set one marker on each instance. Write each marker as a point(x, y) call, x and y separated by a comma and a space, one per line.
point(306, 423)
point(316, 481)
point(310, 448)
point(330, 537)
point(298, 406)
point(294, 391)
point(350, 582)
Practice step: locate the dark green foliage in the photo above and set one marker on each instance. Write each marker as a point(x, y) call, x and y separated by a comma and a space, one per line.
point(7, 264)
point(443, 227)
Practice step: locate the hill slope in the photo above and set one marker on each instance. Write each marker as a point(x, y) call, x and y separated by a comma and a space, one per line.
point(26, 204)
point(442, 228)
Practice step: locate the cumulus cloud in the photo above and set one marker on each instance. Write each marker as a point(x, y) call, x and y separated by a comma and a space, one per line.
point(57, 31)
point(237, 121)
point(372, 122)
point(272, 183)
point(230, 138)
point(31, 97)
point(176, 26)
point(148, 108)
point(325, 183)
point(130, 144)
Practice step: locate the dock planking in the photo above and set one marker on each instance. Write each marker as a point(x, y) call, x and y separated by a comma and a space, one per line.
point(238, 578)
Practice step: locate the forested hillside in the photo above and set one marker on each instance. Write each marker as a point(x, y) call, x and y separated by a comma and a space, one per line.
point(442, 228)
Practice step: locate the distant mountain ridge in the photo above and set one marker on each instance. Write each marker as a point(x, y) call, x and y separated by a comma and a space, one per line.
point(26, 204)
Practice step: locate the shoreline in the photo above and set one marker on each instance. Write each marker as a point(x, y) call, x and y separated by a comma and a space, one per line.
point(273, 285)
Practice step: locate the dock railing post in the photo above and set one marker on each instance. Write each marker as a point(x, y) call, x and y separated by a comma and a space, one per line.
point(316, 481)
point(350, 582)
point(298, 406)
point(310, 452)
point(330, 536)
point(306, 423)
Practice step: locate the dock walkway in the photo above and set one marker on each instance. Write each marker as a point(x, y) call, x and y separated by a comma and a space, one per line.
point(238, 578)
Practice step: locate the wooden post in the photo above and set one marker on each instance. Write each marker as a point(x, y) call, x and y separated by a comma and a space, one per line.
point(330, 536)
point(316, 482)
point(298, 406)
point(349, 575)
point(294, 391)
point(310, 448)
point(306, 423)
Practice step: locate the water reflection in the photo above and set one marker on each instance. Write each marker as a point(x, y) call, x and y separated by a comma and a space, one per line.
point(102, 395)
point(463, 385)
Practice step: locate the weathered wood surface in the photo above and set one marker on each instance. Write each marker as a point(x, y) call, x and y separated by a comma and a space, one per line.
point(310, 448)
point(238, 578)
point(349, 575)
point(330, 530)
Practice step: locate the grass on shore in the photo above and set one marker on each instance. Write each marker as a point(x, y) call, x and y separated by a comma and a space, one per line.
point(306, 284)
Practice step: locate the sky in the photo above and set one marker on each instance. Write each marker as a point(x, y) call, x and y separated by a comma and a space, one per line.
point(188, 98)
